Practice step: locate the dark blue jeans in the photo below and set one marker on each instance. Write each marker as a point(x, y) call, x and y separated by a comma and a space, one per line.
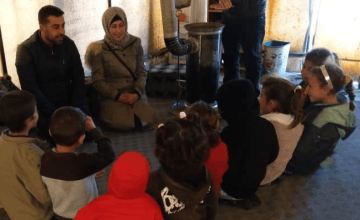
point(247, 33)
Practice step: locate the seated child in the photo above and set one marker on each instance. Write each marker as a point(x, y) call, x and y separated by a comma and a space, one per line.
point(126, 197)
point(69, 176)
point(282, 104)
point(251, 142)
point(22, 192)
point(182, 186)
point(217, 164)
point(328, 119)
point(321, 56)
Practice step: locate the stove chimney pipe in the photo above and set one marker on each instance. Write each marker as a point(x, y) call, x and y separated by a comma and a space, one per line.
point(173, 43)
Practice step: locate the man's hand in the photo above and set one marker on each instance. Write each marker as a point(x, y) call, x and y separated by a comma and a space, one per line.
point(89, 124)
point(223, 5)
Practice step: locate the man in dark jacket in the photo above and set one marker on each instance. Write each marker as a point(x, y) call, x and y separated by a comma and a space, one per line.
point(244, 27)
point(49, 66)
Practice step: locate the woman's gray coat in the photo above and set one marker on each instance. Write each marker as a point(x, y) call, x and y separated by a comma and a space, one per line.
point(110, 77)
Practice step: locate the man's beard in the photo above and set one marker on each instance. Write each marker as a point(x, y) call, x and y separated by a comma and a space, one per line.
point(57, 40)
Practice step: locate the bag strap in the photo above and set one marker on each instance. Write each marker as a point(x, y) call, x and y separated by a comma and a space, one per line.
point(121, 61)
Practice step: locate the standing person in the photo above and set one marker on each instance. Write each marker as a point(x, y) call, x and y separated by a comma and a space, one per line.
point(49, 66)
point(68, 175)
point(244, 28)
point(119, 75)
point(251, 142)
point(22, 192)
point(328, 118)
point(126, 197)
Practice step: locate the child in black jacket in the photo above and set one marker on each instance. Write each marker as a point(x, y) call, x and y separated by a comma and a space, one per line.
point(251, 141)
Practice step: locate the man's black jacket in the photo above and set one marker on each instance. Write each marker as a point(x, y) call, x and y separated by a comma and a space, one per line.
point(54, 75)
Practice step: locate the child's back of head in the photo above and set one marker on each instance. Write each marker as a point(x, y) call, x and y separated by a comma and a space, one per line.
point(217, 163)
point(208, 120)
point(237, 100)
point(15, 108)
point(321, 56)
point(182, 146)
point(67, 125)
point(280, 95)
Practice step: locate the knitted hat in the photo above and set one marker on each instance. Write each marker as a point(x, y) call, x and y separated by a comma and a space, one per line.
point(236, 100)
point(107, 19)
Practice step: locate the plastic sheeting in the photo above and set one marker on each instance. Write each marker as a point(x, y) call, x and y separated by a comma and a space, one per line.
point(83, 22)
point(19, 20)
point(337, 28)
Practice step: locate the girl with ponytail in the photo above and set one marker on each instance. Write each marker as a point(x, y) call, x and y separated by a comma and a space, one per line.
point(328, 118)
point(322, 56)
point(281, 103)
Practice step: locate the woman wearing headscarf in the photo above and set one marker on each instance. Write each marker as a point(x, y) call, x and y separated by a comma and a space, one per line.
point(118, 74)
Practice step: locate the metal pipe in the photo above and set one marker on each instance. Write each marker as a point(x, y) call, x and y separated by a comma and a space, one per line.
point(173, 43)
point(2, 54)
point(199, 11)
point(182, 3)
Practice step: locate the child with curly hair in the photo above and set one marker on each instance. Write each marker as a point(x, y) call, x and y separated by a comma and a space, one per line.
point(183, 186)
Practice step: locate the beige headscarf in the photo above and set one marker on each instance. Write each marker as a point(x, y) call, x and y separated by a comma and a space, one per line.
point(107, 17)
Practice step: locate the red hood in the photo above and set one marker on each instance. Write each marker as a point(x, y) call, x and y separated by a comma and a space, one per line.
point(129, 176)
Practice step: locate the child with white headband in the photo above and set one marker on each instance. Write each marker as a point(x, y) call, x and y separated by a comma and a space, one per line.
point(322, 56)
point(328, 118)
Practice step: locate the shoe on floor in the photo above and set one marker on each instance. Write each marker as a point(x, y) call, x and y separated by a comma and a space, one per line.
point(245, 204)
point(255, 201)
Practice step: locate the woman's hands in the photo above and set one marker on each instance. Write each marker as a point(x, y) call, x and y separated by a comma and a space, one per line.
point(128, 98)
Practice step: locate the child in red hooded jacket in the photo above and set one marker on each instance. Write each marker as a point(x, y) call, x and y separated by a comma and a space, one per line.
point(126, 198)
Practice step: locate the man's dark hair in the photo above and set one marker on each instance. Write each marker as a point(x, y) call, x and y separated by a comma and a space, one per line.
point(15, 107)
point(67, 124)
point(47, 11)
